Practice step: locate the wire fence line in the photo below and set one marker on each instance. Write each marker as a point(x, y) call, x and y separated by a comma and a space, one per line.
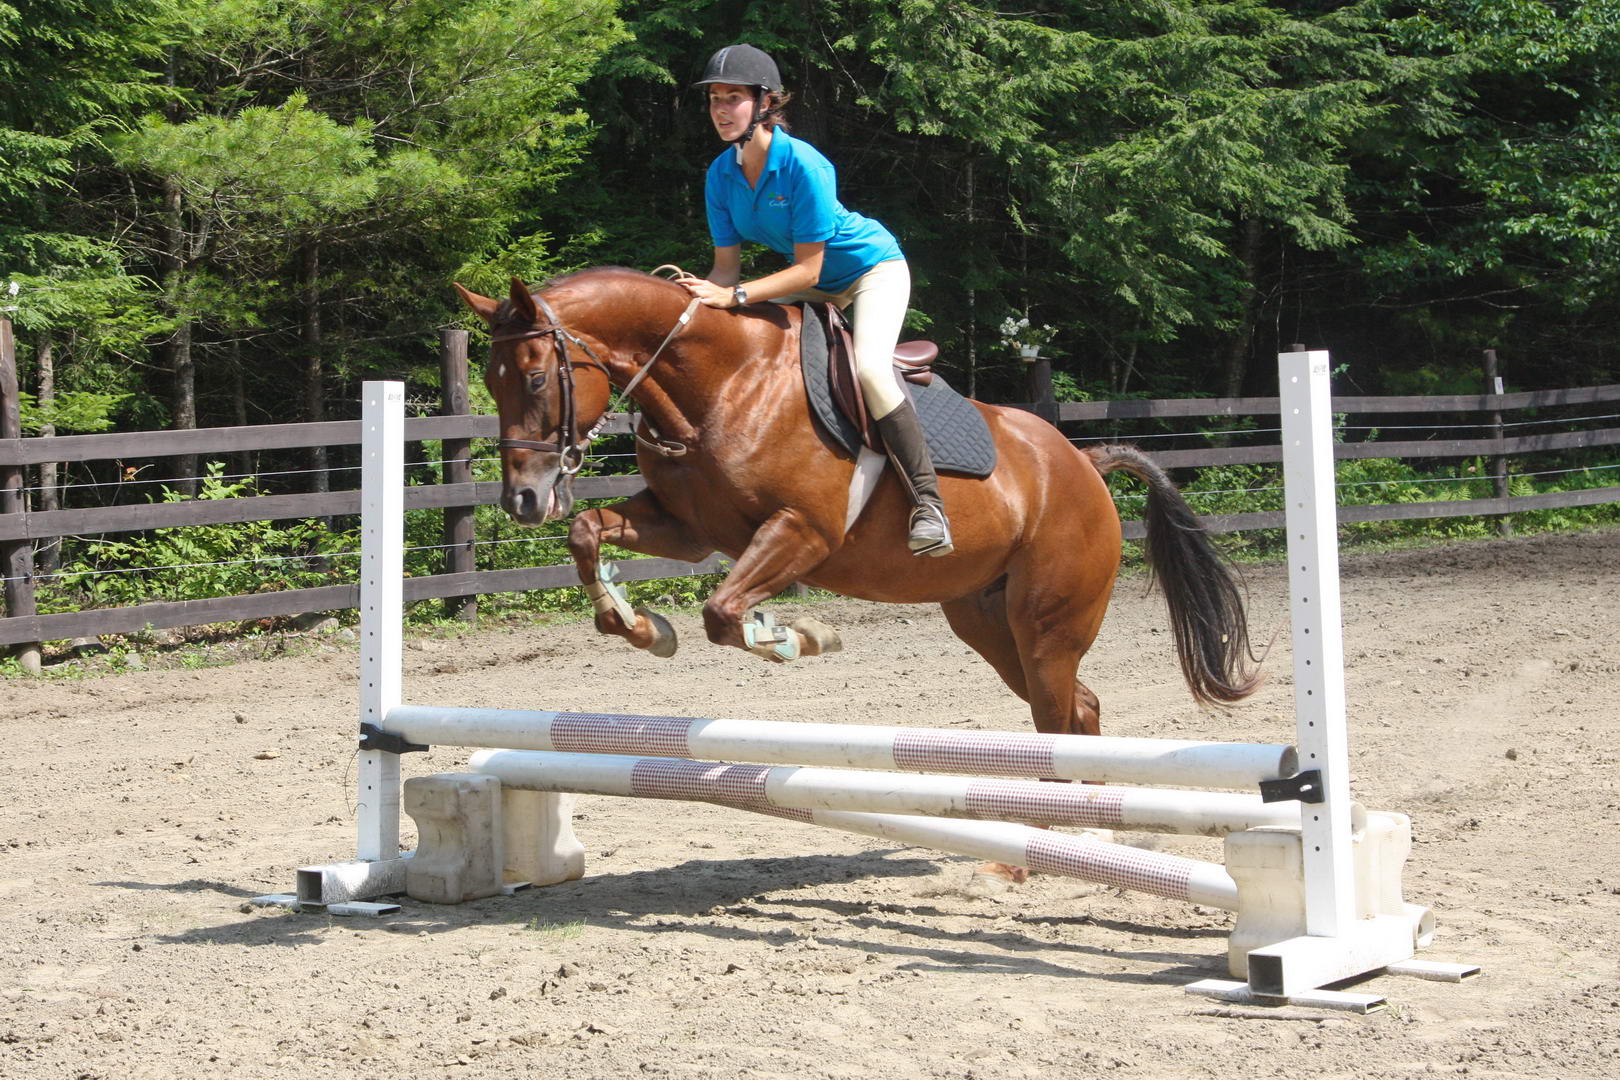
point(1419, 481)
point(463, 432)
point(1194, 433)
point(1191, 495)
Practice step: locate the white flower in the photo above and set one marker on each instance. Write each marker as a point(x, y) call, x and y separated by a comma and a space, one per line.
point(1018, 334)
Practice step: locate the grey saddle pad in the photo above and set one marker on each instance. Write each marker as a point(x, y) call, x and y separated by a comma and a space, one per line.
point(958, 438)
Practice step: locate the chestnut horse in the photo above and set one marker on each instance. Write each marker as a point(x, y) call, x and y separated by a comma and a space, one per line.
point(734, 463)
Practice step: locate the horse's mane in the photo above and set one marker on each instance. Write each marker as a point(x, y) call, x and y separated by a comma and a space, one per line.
point(586, 277)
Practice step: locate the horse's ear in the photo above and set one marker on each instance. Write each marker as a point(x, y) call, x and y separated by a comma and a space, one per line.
point(523, 305)
point(482, 306)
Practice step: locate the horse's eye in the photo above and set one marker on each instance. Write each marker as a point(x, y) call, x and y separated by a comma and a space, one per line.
point(537, 382)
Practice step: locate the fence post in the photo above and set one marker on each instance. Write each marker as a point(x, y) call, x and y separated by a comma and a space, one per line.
point(16, 556)
point(1499, 464)
point(458, 520)
point(1038, 380)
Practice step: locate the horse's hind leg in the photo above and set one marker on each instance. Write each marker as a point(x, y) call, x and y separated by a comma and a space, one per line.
point(981, 621)
point(641, 524)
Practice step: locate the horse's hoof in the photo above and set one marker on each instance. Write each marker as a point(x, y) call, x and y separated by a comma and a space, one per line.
point(994, 878)
point(990, 880)
point(664, 641)
point(816, 637)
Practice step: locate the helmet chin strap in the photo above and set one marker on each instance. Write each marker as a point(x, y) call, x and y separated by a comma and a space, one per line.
point(759, 114)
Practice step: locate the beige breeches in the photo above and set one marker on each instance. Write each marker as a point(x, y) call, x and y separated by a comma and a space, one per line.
point(876, 306)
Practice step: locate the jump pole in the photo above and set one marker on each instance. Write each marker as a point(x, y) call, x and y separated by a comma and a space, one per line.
point(1108, 759)
point(795, 788)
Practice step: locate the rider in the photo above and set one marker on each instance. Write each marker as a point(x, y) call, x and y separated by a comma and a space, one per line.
point(770, 188)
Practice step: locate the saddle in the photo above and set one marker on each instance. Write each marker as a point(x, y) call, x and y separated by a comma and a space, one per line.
point(958, 436)
point(913, 363)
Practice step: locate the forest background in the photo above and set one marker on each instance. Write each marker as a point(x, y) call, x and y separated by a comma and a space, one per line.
point(233, 211)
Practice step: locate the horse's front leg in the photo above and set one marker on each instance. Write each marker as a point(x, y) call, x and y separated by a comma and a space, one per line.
point(639, 523)
point(783, 550)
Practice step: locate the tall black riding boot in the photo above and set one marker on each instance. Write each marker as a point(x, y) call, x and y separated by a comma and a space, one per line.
point(908, 453)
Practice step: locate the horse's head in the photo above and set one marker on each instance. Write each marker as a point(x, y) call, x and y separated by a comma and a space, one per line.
point(550, 388)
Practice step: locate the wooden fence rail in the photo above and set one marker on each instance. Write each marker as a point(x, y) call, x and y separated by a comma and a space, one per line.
point(20, 527)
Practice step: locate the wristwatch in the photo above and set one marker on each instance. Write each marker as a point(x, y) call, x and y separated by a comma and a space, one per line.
point(739, 295)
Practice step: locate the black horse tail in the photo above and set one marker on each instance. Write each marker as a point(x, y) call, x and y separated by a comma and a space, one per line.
point(1206, 604)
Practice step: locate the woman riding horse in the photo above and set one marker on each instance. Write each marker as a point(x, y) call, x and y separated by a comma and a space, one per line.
point(770, 188)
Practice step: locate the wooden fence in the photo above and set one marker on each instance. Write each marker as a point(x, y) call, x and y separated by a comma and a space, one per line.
point(458, 494)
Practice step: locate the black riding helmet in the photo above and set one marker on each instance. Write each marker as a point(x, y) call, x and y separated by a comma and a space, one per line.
point(744, 65)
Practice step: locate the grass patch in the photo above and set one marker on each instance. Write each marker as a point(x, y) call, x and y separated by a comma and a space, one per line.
point(562, 931)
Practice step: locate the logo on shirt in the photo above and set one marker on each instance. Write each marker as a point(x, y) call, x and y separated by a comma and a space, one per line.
point(777, 201)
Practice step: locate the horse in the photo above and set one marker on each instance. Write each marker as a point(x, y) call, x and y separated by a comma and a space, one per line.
point(734, 463)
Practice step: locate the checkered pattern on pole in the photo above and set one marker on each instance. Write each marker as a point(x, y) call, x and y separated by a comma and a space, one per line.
point(1053, 804)
point(1127, 868)
point(975, 752)
point(608, 733)
point(739, 786)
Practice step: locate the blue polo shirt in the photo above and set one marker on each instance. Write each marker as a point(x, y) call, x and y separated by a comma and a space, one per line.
point(795, 202)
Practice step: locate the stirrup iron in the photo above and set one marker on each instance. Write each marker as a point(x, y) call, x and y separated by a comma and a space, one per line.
point(930, 545)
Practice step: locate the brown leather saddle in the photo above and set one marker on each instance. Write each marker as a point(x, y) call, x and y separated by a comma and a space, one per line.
point(913, 363)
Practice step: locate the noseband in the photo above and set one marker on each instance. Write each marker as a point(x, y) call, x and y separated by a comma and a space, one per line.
point(573, 453)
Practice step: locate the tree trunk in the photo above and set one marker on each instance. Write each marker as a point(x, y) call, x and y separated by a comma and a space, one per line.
point(314, 372)
point(1235, 366)
point(972, 305)
point(242, 463)
point(48, 557)
point(1125, 367)
point(182, 368)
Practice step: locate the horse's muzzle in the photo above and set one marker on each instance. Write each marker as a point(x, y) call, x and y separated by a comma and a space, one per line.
point(548, 497)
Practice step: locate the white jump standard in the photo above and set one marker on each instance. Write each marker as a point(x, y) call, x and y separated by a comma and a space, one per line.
point(1314, 879)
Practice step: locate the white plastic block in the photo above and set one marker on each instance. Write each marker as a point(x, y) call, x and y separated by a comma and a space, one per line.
point(538, 829)
point(1268, 866)
point(459, 850)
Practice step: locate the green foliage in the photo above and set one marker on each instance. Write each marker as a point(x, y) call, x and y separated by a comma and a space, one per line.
point(258, 172)
point(197, 561)
point(1506, 226)
point(69, 70)
point(73, 412)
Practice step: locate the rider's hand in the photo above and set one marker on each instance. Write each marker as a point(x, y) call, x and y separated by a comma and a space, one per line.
point(709, 294)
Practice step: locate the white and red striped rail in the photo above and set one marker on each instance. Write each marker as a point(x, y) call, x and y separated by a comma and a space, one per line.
point(853, 746)
point(794, 789)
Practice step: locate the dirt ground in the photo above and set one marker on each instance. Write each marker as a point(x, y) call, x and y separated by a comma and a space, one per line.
point(140, 811)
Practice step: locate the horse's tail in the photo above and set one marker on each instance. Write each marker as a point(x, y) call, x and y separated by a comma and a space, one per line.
point(1206, 603)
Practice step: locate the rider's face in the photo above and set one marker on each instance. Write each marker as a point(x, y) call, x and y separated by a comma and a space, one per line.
point(730, 109)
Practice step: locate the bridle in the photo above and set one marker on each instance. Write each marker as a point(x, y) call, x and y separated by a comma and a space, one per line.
point(572, 454)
